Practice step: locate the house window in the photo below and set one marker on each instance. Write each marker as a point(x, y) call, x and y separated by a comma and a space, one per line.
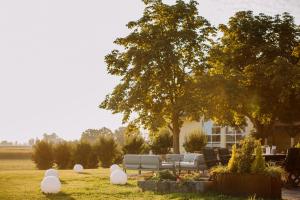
point(216, 130)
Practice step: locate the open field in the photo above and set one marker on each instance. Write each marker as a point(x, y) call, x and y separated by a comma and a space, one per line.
point(15, 152)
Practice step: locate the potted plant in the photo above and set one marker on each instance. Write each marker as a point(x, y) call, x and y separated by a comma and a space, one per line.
point(247, 173)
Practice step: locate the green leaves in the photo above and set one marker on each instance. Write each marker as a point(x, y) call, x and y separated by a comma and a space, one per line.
point(166, 47)
point(256, 62)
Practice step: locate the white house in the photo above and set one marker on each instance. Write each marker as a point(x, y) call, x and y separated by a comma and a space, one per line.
point(217, 136)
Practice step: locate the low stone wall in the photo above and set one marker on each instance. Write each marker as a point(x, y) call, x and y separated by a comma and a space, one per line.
point(175, 187)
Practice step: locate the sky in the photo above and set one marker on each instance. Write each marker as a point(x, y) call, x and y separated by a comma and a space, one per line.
point(52, 70)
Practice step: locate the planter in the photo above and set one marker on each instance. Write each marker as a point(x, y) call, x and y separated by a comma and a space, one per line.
point(175, 187)
point(248, 184)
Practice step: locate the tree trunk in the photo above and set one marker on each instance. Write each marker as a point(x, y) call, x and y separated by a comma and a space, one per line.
point(176, 132)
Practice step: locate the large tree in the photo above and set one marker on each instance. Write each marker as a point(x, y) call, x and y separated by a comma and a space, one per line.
point(165, 48)
point(255, 70)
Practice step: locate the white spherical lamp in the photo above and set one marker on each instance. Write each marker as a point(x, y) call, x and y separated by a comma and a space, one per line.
point(78, 168)
point(50, 185)
point(51, 172)
point(118, 177)
point(113, 168)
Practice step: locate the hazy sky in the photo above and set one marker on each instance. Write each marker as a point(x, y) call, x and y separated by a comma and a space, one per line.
point(52, 70)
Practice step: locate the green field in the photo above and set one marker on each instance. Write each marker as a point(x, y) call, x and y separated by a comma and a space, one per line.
point(20, 180)
point(15, 152)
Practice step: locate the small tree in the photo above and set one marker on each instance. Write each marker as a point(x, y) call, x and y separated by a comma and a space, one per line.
point(62, 155)
point(83, 154)
point(245, 154)
point(195, 141)
point(106, 150)
point(135, 144)
point(43, 155)
point(259, 164)
point(162, 142)
point(233, 162)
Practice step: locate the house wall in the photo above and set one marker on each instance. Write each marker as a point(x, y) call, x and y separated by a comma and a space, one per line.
point(281, 140)
point(224, 139)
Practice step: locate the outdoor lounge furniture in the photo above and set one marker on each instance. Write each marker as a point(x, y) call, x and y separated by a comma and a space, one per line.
point(210, 157)
point(174, 157)
point(145, 163)
point(192, 161)
point(292, 166)
point(224, 155)
point(154, 162)
point(132, 161)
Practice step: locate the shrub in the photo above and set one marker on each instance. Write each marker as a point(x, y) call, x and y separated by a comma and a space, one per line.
point(274, 171)
point(162, 142)
point(118, 159)
point(219, 169)
point(106, 150)
point(135, 144)
point(259, 164)
point(62, 155)
point(195, 141)
point(83, 154)
point(43, 155)
point(164, 175)
point(245, 154)
point(233, 162)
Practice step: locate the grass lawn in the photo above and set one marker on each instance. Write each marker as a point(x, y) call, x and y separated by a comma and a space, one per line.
point(20, 180)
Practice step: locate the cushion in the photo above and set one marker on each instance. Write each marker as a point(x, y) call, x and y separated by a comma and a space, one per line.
point(187, 165)
point(174, 157)
point(166, 166)
point(129, 166)
point(189, 157)
point(150, 161)
point(145, 166)
point(132, 159)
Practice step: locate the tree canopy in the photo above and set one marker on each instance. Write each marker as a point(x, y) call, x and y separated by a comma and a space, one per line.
point(91, 135)
point(255, 72)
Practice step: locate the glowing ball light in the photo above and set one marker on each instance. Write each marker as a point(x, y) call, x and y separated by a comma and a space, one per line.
point(78, 168)
point(118, 177)
point(50, 184)
point(113, 168)
point(51, 172)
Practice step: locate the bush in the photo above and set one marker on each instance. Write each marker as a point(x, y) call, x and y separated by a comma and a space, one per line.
point(62, 155)
point(233, 162)
point(219, 169)
point(245, 154)
point(195, 141)
point(162, 142)
point(259, 164)
point(274, 171)
point(43, 155)
point(164, 175)
point(83, 154)
point(106, 150)
point(242, 161)
point(135, 144)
